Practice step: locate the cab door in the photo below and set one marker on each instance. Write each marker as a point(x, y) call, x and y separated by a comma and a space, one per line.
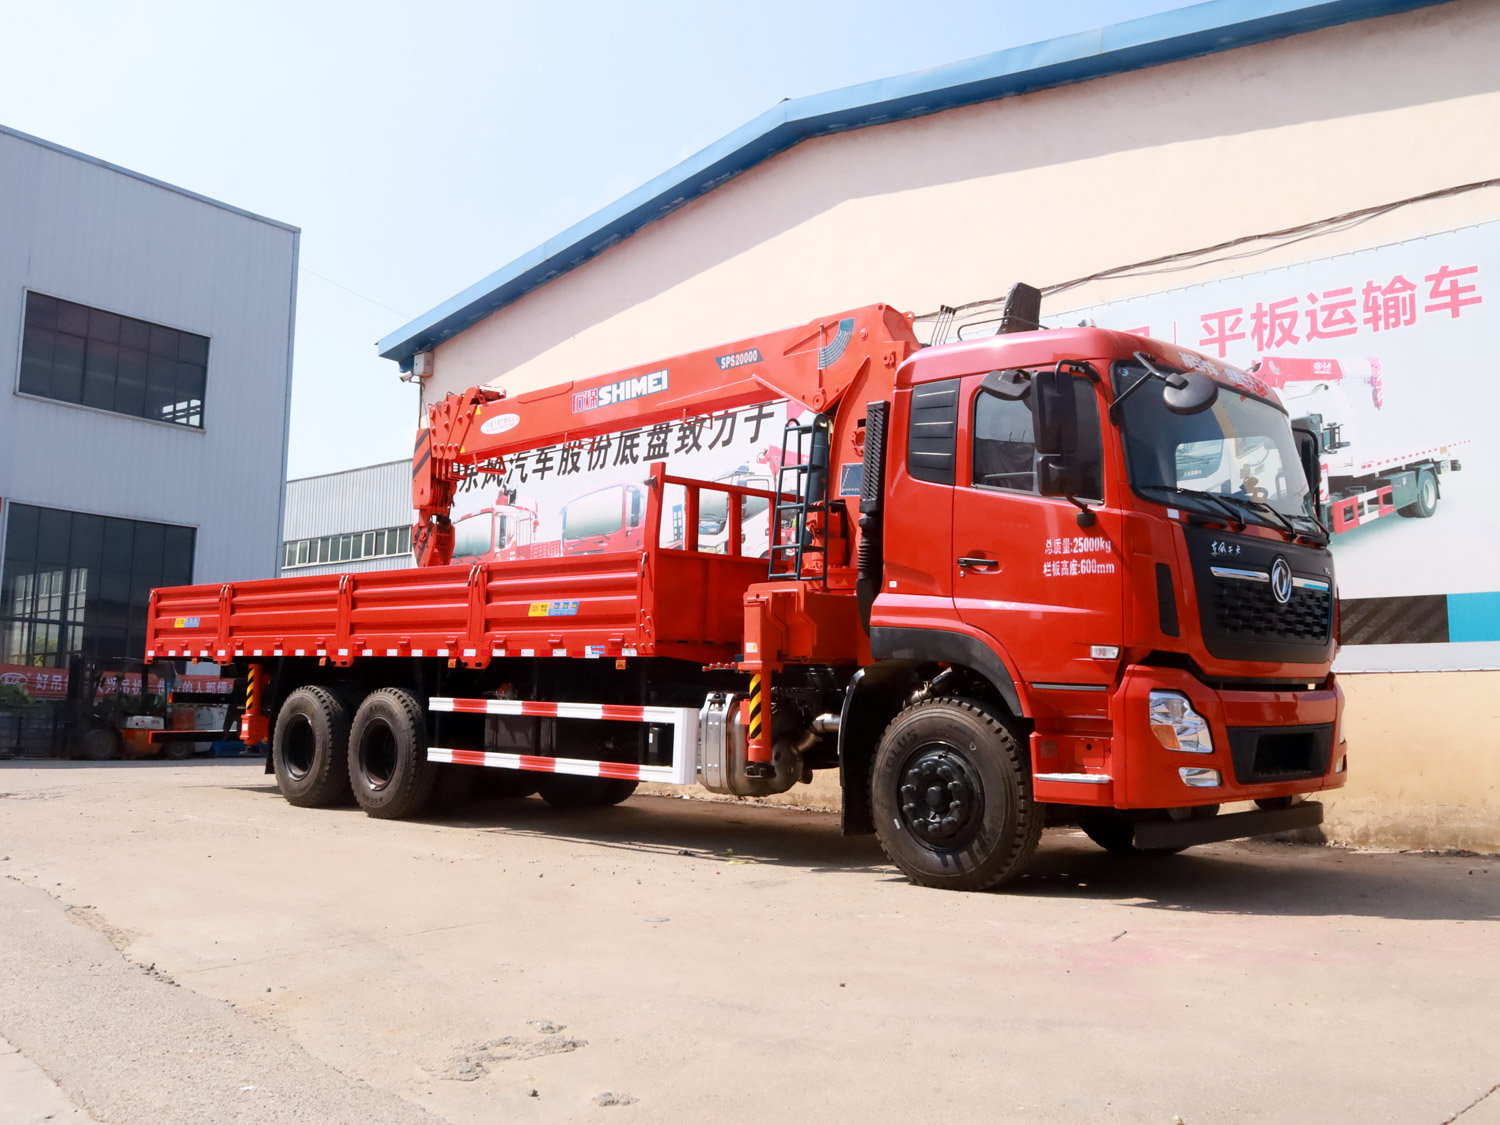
point(1045, 590)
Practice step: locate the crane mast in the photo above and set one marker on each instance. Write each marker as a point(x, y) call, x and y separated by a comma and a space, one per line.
point(815, 364)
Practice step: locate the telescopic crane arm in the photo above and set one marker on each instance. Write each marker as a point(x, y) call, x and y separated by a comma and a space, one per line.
point(815, 364)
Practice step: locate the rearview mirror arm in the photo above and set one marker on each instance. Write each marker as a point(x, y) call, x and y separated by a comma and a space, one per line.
point(1151, 369)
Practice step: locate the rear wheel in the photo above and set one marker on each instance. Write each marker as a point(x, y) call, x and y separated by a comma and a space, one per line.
point(309, 751)
point(388, 767)
point(1427, 497)
point(951, 792)
point(176, 749)
point(569, 791)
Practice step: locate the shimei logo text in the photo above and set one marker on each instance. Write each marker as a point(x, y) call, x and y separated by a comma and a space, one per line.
point(738, 359)
point(626, 389)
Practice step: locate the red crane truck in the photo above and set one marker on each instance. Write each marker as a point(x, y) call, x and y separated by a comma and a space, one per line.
point(995, 607)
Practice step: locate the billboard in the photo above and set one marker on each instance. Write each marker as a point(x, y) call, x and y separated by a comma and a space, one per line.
point(589, 496)
point(1387, 349)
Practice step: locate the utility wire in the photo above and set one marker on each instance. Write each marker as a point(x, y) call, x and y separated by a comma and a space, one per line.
point(1194, 259)
point(352, 293)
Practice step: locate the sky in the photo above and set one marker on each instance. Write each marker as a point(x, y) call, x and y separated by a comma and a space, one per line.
point(421, 147)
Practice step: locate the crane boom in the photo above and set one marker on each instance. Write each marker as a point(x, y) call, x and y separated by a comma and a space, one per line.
point(814, 364)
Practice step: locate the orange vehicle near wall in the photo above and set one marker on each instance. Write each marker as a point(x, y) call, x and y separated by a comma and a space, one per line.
point(993, 601)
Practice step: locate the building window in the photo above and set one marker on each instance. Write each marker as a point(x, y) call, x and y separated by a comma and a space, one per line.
point(79, 583)
point(388, 542)
point(72, 353)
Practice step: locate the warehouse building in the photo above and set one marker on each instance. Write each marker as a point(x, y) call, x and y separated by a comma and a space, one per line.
point(355, 520)
point(145, 353)
point(1303, 184)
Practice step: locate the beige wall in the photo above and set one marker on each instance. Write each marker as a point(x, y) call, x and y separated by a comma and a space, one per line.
point(1058, 184)
point(1424, 761)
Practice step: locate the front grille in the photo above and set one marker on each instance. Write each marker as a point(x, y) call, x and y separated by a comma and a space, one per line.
point(1247, 609)
point(1240, 618)
point(1266, 754)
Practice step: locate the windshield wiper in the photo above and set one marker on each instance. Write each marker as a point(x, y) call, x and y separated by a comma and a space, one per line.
point(1217, 501)
point(1260, 507)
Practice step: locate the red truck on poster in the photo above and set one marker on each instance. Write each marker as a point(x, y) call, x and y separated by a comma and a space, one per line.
point(992, 602)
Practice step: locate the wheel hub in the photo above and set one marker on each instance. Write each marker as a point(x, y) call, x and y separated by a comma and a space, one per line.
point(941, 799)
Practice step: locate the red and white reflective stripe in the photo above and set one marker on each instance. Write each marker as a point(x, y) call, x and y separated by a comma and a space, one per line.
point(682, 720)
point(1351, 511)
point(580, 766)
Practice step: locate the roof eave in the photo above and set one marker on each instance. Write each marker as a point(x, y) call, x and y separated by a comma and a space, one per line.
point(1202, 29)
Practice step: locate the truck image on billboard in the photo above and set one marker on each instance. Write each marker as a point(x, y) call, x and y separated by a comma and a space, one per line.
point(589, 497)
point(1380, 353)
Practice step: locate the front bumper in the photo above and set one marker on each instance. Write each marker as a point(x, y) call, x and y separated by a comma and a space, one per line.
point(1275, 743)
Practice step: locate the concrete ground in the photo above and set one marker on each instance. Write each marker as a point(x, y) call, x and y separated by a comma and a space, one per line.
point(178, 944)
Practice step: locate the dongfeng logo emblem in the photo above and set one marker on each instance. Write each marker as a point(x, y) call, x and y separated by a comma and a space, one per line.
point(1281, 580)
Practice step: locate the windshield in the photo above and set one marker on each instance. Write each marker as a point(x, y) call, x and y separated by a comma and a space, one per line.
point(1239, 455)
point(598, 513)
point(471, 536)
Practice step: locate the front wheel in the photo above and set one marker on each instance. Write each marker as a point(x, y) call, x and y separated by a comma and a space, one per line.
point(1427, 497)
point(951, 793)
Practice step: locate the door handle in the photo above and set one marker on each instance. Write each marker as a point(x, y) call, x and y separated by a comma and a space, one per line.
point(979, 564)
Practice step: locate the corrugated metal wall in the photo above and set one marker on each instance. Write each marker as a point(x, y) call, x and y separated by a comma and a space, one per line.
point(77, 229)
point(356, 500)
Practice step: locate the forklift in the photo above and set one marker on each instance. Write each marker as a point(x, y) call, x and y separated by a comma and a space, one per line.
point(101, 720)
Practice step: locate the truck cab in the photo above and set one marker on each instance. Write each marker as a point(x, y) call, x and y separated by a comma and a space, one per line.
point(1136, 567)
point(607, 519)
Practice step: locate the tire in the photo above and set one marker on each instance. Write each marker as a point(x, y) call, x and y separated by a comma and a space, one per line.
point(1427, 497)
point(388, 767)
point(309, 750)
point(995, 822)
point(176, 751)
point(569, 791)
point(100, 744)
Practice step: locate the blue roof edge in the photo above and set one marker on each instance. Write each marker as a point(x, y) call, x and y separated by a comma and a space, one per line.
point(1202, 29)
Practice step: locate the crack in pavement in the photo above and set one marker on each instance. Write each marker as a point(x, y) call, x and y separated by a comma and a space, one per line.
point(1482, 1097)
point(130, 1048)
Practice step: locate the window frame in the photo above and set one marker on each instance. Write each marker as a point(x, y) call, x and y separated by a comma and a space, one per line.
point(383, 543)
point(182, 427)
point(85, 590)
point(973, 437)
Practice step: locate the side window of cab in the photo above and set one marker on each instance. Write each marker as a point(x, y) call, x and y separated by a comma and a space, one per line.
point(1004, 434)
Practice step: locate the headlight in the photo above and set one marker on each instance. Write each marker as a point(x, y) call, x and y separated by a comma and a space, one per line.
point(1177, 726)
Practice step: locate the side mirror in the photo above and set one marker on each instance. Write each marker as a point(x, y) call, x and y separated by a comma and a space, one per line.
point(1189, 392)
point(1312, 464)
point(1056, 412)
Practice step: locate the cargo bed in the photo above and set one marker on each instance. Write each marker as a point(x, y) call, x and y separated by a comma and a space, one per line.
point(659, 601)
